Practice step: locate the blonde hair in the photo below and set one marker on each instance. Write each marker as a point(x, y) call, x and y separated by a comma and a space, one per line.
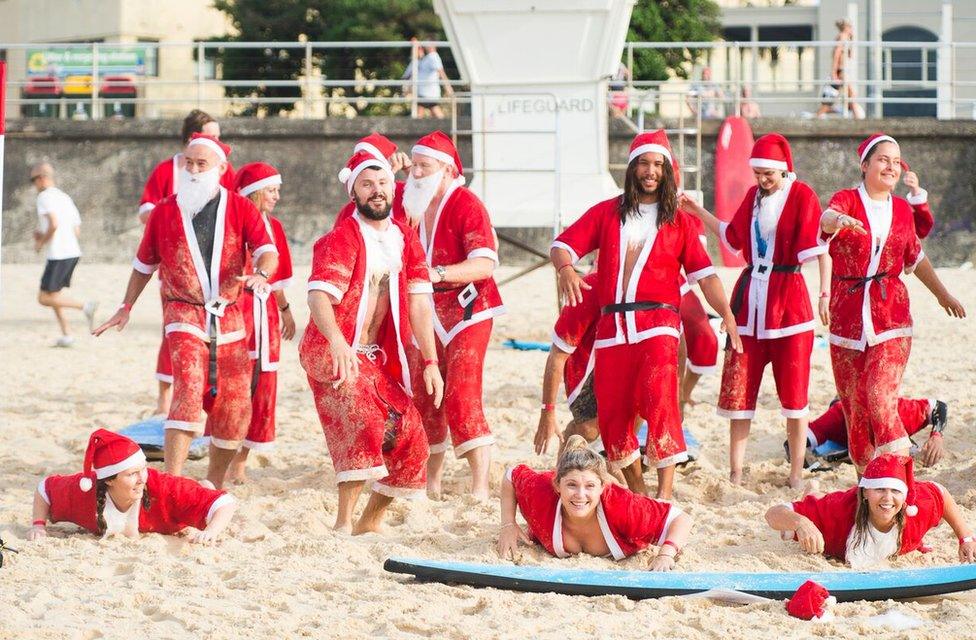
point(578, 456)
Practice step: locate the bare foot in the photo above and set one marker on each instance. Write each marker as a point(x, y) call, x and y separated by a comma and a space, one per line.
point(367, 526)
point(342, 527)
point(434, 491)
point(236, 473)
point(796, 483)
point(735, 477)
point(481, 496)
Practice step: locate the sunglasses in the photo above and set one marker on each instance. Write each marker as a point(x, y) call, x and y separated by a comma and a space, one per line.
point(4, 547)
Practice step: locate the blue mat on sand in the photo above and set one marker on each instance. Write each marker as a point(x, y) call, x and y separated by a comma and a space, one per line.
point(148, 434)
point(845, 585)
point(526, 345)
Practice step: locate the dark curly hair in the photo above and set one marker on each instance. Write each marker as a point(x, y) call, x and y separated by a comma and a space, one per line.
point(667, 200)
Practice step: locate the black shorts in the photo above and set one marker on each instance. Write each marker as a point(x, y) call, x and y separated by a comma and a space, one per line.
point(583, 407)
point(428, 104)
point(57, 274)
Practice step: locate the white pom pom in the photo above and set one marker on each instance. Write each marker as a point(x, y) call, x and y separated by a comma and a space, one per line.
point(461, 181)
point(85, 484)
point(344, 174)
point(911, 511)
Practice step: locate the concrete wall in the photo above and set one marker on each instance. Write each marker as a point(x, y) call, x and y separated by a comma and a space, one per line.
point(103, 166)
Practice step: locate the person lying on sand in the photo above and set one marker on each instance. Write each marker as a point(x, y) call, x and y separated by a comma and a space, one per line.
point(577, 509)
point(129, 497)
point(887, 514)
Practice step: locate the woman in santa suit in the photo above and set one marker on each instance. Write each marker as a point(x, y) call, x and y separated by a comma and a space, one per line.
point(267, 318)
point(873, 240)
point(776, 228)
point(129, 498)
point(887, 514)
point(578, 509)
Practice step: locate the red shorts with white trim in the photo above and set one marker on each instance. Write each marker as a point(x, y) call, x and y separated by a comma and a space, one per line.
point(461, 415)
point(261, 430)
point(373, 432)
point(868, 382)
point(700, 340)
point(743, 373)
point(634, 380)
point(831, 425)
point(164, 366)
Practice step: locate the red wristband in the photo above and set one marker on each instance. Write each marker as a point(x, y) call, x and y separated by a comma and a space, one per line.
point(935, 433)
point(548, 407)
point(39, 523)
point(429, 362)
point(967, 539)
point(126, 306)
point(668, 543)
point(564, 266)
point(824, 294)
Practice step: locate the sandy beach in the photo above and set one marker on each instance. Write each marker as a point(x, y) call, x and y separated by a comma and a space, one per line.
point(281, 572)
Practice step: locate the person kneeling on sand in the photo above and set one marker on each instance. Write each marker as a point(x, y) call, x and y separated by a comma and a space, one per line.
point(577, 509)
point(887, 514)
point(129, 497)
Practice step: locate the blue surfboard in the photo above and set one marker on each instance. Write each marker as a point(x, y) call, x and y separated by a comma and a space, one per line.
point(148, 434)
point(845, 585)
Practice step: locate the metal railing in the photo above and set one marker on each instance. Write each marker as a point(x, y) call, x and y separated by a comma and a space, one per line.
point(784, 78)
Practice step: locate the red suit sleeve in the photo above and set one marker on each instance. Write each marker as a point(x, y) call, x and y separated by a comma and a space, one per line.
point(583, 236)
point(187, 504)
point(415, 264)
point(254, 231)
point(913, 253)
point(68, 503)
point(477, 234)
point(574, 322)
point(147, 254)
point(157, 186)
point(639, 519)
point(735, 233)
point(333, 261)
point(924, 221)
point(693, 256)
point(535, 497)
point(284, 271)
point(833, 515)
point(808, 247)
point(840, 202)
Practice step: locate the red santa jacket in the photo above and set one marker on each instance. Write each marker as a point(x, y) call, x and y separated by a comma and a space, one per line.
point(574, 333)
point(833, 515)
point(398, 212)
point(700, 230)
point(265, 311)
point(175, 503)
point(164, 179)
point(170, 245)
point(867, 312)
point(774, 304)
point(924, 221)
point(629, 521)
point(657, 269)
point(339, 269)
point(461, 230)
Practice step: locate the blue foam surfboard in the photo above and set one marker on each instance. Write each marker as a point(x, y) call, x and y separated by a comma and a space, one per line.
point(526, 345)
point(845, 585)
point(148, 434)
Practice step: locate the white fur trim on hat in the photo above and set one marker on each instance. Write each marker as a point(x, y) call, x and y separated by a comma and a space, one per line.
point(207, 142)
point(108, 471)
point(348, 176)
point(883, 483)
point(270, 181)
point(767, 163)
point(370, 149)
point(424, 150)
point(874, 143)
point(649, 148)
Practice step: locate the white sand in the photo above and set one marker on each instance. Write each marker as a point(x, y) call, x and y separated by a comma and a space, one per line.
point(281, 572)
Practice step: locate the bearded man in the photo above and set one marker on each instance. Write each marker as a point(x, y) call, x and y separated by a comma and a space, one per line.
point(644, 242)
point(462, 251)
point(199, 240)
point(368, 295)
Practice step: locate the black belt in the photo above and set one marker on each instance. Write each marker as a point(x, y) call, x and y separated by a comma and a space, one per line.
point(740, 287)
point(861, 282)
point(623, 307)
point(212, 334)
point(468, 308)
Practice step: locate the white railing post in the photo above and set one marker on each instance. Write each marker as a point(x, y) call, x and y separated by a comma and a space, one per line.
point(630, 78)
point(308, 80)
point(945, 108)
point(200, 73)
point(95, 74)
point(414, 84)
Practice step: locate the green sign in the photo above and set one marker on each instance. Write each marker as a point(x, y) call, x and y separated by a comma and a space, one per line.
point(77, 60)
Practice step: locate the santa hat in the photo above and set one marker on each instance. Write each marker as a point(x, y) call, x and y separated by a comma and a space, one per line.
point(222, 150)
point(439, 146)
point(870, 142)
point(810, 601)
point(376, 144)
point(360, 161)
point(654, 142)
point(772, 151)
point(254, 177)
point(108, 454)
point(889, 471)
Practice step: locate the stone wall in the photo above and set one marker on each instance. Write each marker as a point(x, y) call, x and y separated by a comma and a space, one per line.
point(103, 165)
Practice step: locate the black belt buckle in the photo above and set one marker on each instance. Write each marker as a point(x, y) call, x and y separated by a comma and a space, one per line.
point(762, 268)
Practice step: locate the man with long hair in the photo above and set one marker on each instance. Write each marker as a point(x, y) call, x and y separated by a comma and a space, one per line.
point(644, 241)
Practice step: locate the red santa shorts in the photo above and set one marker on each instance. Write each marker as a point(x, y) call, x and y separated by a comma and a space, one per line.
point(229, 412)
point(461, 414)
point(867, 382)
point(743, 373)
point(634, 380)
point(261, 430)
point(164, 366)
point(700, 339)
point(373, 432)
point(832, 425)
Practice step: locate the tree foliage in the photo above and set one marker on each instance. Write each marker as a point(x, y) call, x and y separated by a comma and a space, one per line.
point(671, 21)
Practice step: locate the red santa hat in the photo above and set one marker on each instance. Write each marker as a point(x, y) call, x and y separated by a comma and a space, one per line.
point(376, 144)
point(439, 146)
point(254, 177)
point(654, 142)
point(108, 454)
point(810, 601)
point(889, 471)
point(772, 151)
point(870, 142)
point(360, 161)
point(222, 150)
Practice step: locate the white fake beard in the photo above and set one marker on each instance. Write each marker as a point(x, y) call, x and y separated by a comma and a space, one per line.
point(384, 251)
point(419, 192)
point(771, 207)
point(639, 224)
point(196, 189)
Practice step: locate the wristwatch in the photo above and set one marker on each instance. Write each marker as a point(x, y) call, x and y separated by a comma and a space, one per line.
point(441, 272)
point(264, 274)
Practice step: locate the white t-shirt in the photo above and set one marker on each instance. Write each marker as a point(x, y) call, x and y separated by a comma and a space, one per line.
point(428, 83)
point(874, 550)
point(64, 243)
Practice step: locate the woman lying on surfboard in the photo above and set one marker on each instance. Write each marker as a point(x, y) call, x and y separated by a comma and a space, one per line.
point(578, 509)
point(128, 498)
point(887, 514)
